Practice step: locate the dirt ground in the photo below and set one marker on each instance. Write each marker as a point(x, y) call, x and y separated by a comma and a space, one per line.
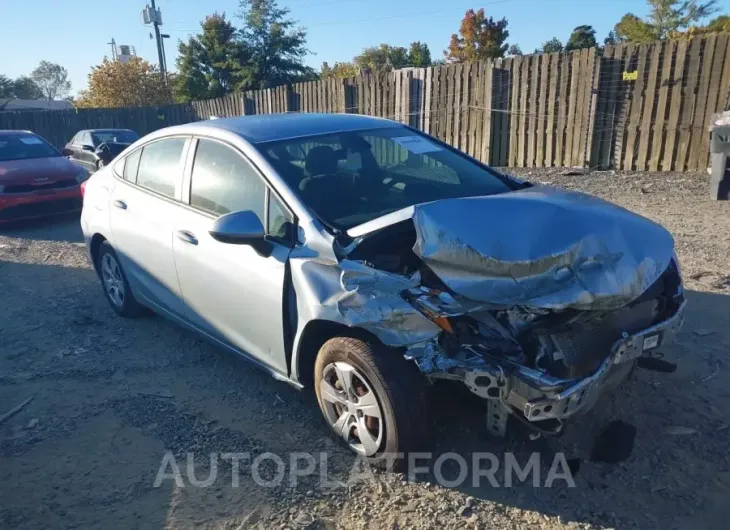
point(111, 396)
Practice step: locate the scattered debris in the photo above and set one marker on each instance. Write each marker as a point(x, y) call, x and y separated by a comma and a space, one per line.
point(162, 392)
point(702, 332)
point(678, 430)
point(32, 424)
point(14, 411)
point(615, 443)
point(574, 172)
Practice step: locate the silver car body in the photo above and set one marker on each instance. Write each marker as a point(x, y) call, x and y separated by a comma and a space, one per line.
point(497, 255)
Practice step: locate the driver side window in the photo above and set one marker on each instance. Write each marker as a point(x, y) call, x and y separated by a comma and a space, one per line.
point(223, 181)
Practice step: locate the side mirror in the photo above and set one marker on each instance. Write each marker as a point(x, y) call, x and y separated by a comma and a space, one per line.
point(87, 147)
point(67, 152)
point(242, 228)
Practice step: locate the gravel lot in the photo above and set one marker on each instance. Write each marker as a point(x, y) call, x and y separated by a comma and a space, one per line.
point(111, 396)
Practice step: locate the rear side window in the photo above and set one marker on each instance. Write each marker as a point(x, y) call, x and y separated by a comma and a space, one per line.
point(160, 169)
point(223, 181)
point(129, 165)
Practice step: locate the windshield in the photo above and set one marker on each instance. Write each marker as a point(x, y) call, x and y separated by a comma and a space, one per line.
point(120, 137)
point(25, 146)
point(353, 177)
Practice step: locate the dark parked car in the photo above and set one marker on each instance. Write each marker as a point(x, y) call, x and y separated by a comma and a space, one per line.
point(35, 178)
point(95, 148)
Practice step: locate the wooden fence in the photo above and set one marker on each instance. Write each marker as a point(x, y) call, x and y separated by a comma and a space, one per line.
point(634, 107)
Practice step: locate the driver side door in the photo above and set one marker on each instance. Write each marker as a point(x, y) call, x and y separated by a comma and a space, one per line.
point(231, 292)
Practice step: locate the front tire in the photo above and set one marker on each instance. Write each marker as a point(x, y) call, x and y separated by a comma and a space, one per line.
point(114, 282)
point(372, 398)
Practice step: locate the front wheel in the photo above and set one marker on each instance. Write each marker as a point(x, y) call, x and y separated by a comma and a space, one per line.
point(372, 398)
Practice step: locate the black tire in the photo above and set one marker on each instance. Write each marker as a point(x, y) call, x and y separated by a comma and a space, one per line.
point(398, 385)
point(129, 308)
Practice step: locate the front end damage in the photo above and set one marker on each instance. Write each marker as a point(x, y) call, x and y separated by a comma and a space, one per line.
point(537, 300)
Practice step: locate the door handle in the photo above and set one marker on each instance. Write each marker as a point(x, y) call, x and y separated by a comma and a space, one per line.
point(120, 204)
point(187, 237)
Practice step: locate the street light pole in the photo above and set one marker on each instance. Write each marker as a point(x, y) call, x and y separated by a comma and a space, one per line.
point(160, 44)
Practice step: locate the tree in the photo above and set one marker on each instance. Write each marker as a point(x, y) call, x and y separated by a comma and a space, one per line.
point(676, 15)
point(552, 46)
point(419, 56)
point(632, 29)
point(514, 49)
point(135, 83)
point(383, 58)
point(6, 87)
point(52, 79)
point(480, 37)
point(666, 19)
point(21, 88)
point(277, 48)
point(339, 70)
point(210, 64)
point(582, 37)
point(719, 24)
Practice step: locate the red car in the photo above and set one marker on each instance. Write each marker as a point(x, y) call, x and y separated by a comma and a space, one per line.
point(36, 180)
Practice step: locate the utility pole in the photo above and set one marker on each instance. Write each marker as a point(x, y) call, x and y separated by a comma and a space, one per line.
point(114, 49)
point(155, 18)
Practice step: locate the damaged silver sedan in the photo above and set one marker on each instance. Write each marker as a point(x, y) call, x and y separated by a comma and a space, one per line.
point(366, 259)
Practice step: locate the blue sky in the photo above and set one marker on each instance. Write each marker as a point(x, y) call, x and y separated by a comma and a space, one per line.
point(75, 34)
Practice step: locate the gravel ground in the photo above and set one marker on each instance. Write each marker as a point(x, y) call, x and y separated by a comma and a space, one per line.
point(112, 396)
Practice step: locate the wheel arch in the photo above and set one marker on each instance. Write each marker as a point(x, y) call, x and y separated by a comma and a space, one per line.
point(94, 246)
point(315, 333)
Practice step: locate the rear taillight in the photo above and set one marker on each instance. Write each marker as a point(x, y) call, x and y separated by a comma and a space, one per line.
point(83, 188)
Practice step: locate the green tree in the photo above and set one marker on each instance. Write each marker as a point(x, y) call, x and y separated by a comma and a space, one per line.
point(26, 88)
point(419, 56)
point(552, 46)
point(582, 37)
point(382, 58)
point(666, 19)
point(480, 37)
point(633, 29)
point(210, 64)
point(52, 79)
point(719, 24)
point(276, 45)
point(514, 49)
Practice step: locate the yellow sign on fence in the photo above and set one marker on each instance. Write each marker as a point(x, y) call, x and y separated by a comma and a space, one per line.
point(631, 76)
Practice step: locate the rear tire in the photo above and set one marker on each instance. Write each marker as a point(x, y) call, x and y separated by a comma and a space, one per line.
point(398, 389)
point(114, 283)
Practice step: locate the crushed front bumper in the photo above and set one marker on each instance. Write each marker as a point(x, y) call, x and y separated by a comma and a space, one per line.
point(539, 396)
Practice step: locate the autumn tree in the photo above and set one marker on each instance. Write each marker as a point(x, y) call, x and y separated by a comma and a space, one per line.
point(339, 70)
point(419, 56)
point(552, 46)
point(134, 83)
point(480, 37)
point(211, 63)
point(582, 37)
point(52, 79)
point(719, 24)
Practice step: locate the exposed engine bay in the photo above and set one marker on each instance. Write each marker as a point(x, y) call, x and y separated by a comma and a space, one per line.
point(579, 321)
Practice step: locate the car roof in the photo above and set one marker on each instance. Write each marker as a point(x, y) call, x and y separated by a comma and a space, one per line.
point(105, 130)
point(15, 132)
point(270, 127)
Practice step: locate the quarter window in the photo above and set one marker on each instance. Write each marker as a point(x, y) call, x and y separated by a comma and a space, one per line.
point(129, 166)
point(223, 181)
point(159, 168)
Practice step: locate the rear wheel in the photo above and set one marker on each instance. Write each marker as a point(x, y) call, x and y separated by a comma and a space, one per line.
point(371, 397)
point(114, 282)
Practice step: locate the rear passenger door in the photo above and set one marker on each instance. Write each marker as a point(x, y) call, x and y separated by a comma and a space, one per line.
point(144, 204)
point(231, 292)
